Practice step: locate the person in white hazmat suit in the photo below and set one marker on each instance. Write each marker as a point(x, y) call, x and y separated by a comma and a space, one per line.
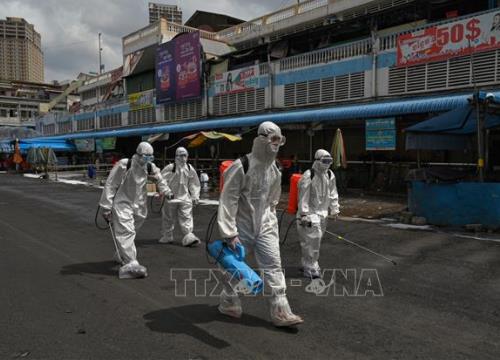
point(183, 180)
point(123, 201)
point(247, 214)
point(318, 197)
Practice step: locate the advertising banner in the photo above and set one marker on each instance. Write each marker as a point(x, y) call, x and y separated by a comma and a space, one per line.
point(178, 69)
point(187, 58)
point(457, 38)
point(105, 144)
point(108, 143)
point(141, 100)
point(236, 80)
point(85, 145)
point(165, 73)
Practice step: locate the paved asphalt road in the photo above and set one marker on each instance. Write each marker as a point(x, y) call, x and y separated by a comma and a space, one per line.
point(61, 298)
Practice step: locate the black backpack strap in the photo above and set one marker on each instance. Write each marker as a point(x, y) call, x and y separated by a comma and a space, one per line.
point(173, 168)
point(330, 174)
point(244, 163)
point(150, 167)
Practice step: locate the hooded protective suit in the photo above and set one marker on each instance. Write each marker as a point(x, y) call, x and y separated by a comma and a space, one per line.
point(247, 212)
point(124, 196)
point(185, 185)
point(317, 198)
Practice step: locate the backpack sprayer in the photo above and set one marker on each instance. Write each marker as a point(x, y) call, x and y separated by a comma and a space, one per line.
point(293, 207)
point(232, 261)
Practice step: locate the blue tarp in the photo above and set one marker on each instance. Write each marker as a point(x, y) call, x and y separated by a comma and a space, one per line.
point(326, 114)
point(456, 204)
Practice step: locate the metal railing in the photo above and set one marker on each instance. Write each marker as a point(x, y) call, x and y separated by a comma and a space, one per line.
point(177, 28)
point(140, 34)
point(272, 18)
point(82, 167)
point(358, 48)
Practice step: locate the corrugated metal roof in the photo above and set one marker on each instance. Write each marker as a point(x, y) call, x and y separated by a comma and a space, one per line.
point(321, 115)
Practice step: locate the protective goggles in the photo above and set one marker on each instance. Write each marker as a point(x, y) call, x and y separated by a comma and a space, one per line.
point(275, 139)
point(148, 158)
point(326, 160)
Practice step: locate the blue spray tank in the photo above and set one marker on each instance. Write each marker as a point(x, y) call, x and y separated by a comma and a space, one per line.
point(234, 263)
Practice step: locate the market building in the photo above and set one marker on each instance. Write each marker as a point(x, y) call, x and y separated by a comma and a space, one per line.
point(369, 67)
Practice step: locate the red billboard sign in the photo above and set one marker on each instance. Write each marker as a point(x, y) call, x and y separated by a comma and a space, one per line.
point(449, 40)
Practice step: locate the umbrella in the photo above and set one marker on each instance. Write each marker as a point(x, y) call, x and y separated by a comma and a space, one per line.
point(50, 156)
point(201, 137)
point(158, 137)
point(34, 157)
point(17, 158)
point(338, 151)
point(41, 156)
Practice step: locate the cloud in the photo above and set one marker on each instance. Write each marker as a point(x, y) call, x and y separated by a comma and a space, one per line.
point(69, 28)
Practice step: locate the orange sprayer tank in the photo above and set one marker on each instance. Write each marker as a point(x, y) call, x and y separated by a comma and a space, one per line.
point(293, 198)
point(223, 166)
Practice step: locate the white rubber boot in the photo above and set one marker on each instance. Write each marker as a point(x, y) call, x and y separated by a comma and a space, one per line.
point(166, 239)
point(281, 314)
point(190, 240)
point(230, 305)
point(132, 270)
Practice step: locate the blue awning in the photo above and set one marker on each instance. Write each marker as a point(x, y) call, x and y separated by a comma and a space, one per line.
point(26, 144)
point(319, 115)
point(448, 131)
point(460, 121)
point(56, 145)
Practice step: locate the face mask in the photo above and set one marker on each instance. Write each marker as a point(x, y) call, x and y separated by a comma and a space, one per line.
point(273, 148)
point(181, 158)
point(146, 158)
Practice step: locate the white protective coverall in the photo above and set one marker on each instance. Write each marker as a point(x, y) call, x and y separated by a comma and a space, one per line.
point(317, 198)
point(204, 180)
point(124, 198)
point(247, 213)
point(185, 185)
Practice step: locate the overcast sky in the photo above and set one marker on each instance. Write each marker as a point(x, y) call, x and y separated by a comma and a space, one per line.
point(69, 28)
